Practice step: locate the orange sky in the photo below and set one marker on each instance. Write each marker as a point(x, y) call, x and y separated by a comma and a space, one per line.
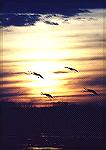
point(47, 49)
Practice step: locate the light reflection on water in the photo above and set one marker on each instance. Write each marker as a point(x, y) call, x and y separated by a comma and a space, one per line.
point(44, 148)
point(52, 142)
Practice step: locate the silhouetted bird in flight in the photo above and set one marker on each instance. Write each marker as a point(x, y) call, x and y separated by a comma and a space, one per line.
point(48, 95)
point(37, 74)
point(90, 90)
point(71, 69)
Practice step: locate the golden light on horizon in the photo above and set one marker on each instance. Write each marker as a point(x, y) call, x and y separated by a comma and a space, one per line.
point(47, 49)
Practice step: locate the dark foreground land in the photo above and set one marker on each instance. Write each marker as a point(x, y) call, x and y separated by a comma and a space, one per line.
point(70, 127)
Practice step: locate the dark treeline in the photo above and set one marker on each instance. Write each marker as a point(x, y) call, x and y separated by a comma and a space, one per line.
point(71, 126)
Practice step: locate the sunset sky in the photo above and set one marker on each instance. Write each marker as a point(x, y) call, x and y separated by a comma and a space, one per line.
point(46, 40)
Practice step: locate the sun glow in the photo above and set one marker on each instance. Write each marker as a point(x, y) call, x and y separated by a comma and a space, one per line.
point(46, 49)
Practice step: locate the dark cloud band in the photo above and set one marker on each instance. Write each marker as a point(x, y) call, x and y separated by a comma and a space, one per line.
point(28, 19)
point(18, 19)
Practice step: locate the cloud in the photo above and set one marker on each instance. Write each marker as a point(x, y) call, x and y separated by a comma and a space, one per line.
point(95, 58)
point(86, 45)
point(7, 30)
point(29, 19)
point(9, 73)
point(31, 13)
point(10, 62)
point(18, 19)
point(51, 23)
point(93, 70)
point(96, 38)
point(26, 13)
point(9, 82)
point(86, 81)
point(95, 81)
point(59, 72)
point(9, 92)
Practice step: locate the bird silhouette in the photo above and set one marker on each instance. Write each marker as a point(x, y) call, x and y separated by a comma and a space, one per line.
point(37, 74)
point(48, 95)
point(90, 90)
point(71, 69)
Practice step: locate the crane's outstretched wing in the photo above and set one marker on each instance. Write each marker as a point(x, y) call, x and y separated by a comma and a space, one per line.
point(40, 76)
point(48, 95)
point(34, 73)
point(90, 90)
point(71, 69)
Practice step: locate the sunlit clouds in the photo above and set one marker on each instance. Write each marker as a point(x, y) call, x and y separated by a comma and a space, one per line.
point(52, 42)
